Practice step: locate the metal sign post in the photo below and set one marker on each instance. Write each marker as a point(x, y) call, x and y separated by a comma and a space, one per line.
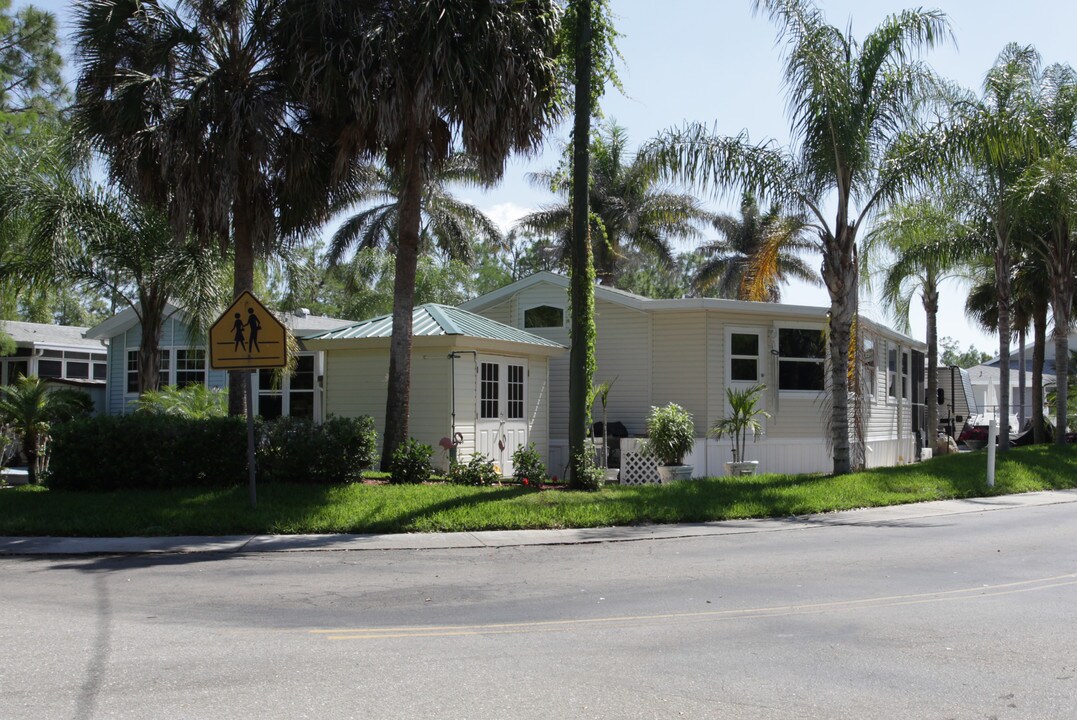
point(250, 439)
point(248, 337)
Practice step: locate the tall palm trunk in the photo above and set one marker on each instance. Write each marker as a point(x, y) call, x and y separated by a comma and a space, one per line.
point(1021, 370)
point(582, 290)
point(398, 396)
point(149, 347)
point(1004, 295)
point(243, 280)
point(840, 277)
point(931, 402)
point(1062, 310)
point(1039, 351)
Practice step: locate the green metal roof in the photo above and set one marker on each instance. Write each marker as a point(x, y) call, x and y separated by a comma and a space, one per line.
point(431, 320)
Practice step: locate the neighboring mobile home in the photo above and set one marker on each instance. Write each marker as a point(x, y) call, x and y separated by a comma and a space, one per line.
point(59, 354)
point(688, 351)
point(184, 362)
point(476, 385)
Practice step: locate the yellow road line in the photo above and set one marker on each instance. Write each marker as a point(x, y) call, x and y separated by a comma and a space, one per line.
point(773, 611)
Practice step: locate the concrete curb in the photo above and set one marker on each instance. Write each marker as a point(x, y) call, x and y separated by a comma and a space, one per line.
point(892, 516)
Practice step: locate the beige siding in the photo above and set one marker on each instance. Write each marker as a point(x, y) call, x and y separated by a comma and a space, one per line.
point(466, 403)
point(621, 353)
point(679, 362)
point(538, 409)
point(356, 382)
point(502, 312)
point(541, 294)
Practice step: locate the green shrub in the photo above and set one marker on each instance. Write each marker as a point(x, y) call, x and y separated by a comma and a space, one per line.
point(591, 476)
point(155, 451)
point(410, 463)
point(527, 465)
point(297, 450)
point(670, 434)
point(191, 401)
point(479, 470)
point(148, 451)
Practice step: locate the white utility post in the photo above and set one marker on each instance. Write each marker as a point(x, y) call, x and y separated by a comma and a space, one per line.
point(991, 433)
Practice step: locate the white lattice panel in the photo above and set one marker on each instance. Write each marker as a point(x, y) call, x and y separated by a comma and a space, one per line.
point(637, 468)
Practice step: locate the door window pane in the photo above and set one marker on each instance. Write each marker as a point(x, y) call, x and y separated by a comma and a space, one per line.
point(488, 390)
point(515, 391)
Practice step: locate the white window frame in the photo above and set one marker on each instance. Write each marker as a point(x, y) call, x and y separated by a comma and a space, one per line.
point(531, 306)
point(168, 375)
point(872, 366)
point(778, 359)
point(905, 373)
point(760, 357)
point(285, 389)
point(892, 375)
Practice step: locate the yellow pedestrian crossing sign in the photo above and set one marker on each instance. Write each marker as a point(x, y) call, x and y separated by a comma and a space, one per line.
point(247, 337)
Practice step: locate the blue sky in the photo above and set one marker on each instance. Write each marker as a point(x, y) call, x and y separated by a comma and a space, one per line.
point(713, 61)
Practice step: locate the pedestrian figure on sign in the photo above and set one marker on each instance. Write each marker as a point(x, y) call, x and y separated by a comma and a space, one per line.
point(254, 325)
point(237, 326)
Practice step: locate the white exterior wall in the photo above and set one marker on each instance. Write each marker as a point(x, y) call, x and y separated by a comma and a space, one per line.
point(356, 382)
point(680, 356)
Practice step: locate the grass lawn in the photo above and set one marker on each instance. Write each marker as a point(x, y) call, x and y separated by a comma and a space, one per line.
point(358, 508)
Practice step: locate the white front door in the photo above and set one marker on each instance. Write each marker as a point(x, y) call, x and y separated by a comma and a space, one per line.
point(501, 426)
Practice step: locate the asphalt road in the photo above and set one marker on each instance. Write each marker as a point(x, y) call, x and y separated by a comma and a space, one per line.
point(963, 616)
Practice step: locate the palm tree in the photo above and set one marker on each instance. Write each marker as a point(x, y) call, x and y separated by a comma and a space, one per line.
point(447, 225)
point(581, 255)
point(630, 208)
point(31, 407)
point(1029, 308)
point(914, 247)
point(79, 235)
point(848, 102)
point(1050, 182)
point(987, 142)
point(189, 104)
point(399, 81)
point(756, 255)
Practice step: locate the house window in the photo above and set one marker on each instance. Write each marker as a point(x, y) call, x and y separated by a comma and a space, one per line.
point(744, 357)
point(891, 371)
point(270, 395)
point(800, 359)
point(293, 396)
point(515, 392)
point(904, 376)
point(132, 371)
point(50, 368)
point(870, 369)
point(544, 316)
point(190, 367)
point(488, 390)
point(301, 388)
point(15, 369)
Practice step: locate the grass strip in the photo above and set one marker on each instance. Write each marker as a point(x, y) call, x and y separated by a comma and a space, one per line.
point(358, 508)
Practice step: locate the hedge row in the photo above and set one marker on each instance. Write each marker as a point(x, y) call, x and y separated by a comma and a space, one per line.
point(162, 451)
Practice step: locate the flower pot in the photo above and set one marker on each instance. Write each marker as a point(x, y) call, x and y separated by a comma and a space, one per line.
point(673, 473)
point(612, 476)
point(748, 467)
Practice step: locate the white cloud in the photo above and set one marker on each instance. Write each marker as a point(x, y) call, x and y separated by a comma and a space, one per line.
point(506, 214)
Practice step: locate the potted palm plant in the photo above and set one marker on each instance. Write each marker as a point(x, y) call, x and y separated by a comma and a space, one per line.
point(602, 394)
point(670, 437)
point(744, 415)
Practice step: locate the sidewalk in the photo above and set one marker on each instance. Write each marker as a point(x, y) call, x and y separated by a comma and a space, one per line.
point(893, 516)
